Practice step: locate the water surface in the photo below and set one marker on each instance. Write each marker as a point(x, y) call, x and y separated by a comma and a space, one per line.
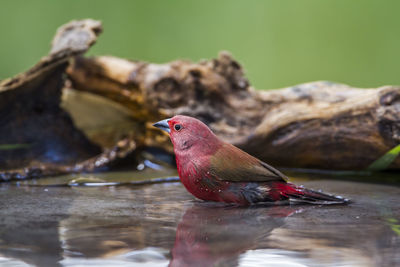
point(162, 224)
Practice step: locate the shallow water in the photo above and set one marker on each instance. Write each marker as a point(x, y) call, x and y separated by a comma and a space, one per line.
point(45, 223)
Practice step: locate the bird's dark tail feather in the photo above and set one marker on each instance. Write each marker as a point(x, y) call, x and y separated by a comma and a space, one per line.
point(304, 195)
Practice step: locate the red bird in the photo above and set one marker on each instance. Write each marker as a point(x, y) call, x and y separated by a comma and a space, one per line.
point(214, 170)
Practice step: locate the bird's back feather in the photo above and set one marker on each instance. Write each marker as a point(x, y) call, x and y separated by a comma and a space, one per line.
point(229, 163)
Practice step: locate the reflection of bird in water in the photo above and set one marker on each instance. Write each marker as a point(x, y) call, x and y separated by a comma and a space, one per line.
point(211, 235)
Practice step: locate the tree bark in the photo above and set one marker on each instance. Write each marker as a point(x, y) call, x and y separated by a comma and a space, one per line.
point(31, 115)
point(314, 125)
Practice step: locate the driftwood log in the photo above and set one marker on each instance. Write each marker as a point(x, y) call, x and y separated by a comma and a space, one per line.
point(315, 125)
point(31, 115)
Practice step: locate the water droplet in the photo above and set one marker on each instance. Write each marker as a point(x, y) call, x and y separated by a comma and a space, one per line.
point(140, 167)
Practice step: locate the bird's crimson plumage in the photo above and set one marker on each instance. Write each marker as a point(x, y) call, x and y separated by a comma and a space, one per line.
point(214, 170)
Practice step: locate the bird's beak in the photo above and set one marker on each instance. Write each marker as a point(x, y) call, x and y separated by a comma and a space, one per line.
point(163, 125)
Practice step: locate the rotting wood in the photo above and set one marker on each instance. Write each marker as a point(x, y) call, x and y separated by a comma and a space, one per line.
point(30, 114)
point(314, 125)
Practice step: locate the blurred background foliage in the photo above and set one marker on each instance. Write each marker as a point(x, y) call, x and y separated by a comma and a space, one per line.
point(279, 42)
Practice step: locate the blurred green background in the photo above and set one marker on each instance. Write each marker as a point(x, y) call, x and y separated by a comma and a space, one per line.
point(279, 42)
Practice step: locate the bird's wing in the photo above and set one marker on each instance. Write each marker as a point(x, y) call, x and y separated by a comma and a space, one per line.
point(232, 164)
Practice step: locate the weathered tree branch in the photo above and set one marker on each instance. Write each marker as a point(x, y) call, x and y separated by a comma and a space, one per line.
point(30, 114)
point(314, 125)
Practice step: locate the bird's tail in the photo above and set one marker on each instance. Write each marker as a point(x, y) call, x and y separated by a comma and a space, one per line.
point(304, 195)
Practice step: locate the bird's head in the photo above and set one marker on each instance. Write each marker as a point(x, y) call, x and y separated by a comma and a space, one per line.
point(187, 133)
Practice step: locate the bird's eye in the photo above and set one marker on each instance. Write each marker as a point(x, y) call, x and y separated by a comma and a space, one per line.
point(177, 127)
